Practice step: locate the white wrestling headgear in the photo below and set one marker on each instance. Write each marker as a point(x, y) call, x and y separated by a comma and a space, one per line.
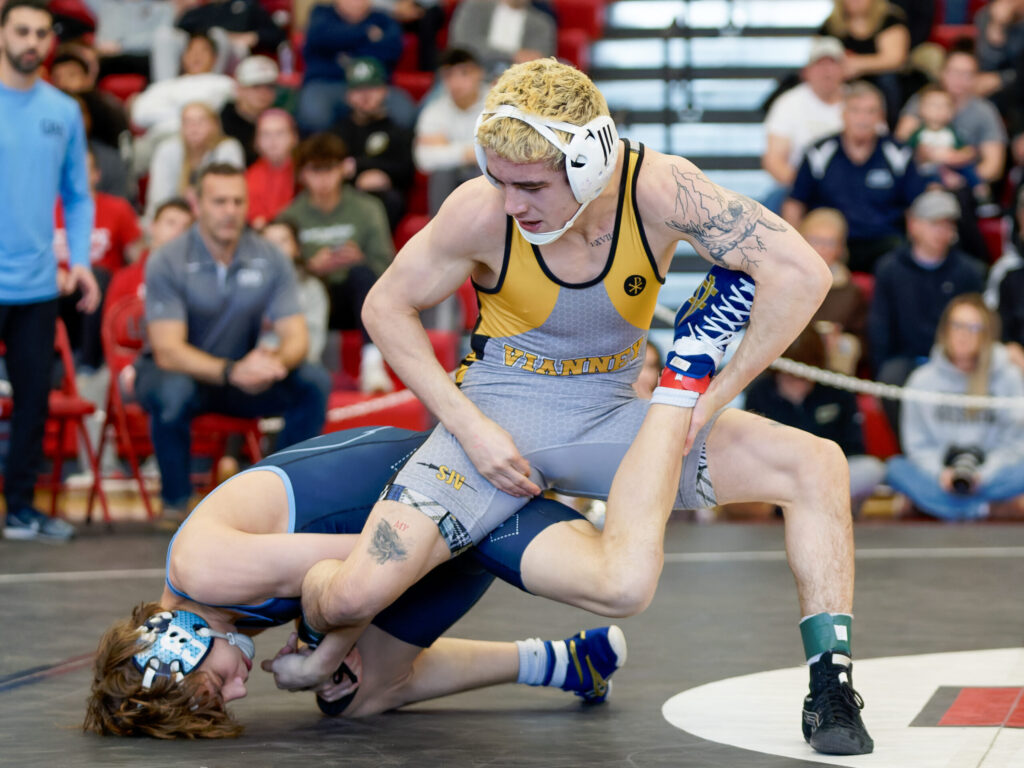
point(590, 158)
point(173, 643)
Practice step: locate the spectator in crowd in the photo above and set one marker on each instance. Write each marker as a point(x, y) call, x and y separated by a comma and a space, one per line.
point(271, 179)
point(958, 459)
point(256, 79)
point(913, 286)
point(877, 42)
point(1011, 312)
point(920, 18)
point(821, 410)
point(939, 150)
point(116, 241)
point(172, 219)
point(1000, 50)
point(381, 147)
point(444, 143)
point(178, 159)
point(234, 28)
point(338, 32)
point(73, 20)
point(1005, 289)
point(176, 53)
point(425, 19)
point(345, 240)
point(70, 72)
point(207, 295)
point(867, 177)
point(312, 296)
point(157, 110)
point(126, 32)
point(842, 317)
point(246, 25)
point(42, 154)
point(803, 115)
point(502, 32)
point(975, 120)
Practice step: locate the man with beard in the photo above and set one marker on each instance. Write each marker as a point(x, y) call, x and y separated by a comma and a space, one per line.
point(42, 154)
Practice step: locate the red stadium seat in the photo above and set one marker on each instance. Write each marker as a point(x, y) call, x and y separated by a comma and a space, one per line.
point(416, 84)
point(123, 334)
point(410, 224)
point(992, 233)
point(947, 35)
point(122, 86)
point(879, 439)
point(585, 15)
point(574, 47)
point(407, 62)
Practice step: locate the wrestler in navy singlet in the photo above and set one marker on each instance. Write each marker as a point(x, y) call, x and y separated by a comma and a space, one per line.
point(333, 481)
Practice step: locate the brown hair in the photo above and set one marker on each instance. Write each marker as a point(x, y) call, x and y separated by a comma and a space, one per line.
point(320, 149)
point(977, 380)
point(838, 22)
point(119, 706)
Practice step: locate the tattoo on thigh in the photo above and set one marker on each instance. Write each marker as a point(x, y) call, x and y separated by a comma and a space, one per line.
point(719, 220)
point(386, 545)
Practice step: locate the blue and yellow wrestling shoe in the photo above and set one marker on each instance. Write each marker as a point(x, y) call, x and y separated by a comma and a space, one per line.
point(594, 655)
point(705, 325)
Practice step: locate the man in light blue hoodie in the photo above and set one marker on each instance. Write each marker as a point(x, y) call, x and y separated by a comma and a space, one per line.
point(42, 154)
point(958, 459)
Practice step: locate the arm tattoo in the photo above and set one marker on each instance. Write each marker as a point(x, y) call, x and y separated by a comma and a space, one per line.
point(719, 220)
point(386, 545)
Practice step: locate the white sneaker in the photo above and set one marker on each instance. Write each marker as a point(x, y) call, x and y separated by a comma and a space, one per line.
point(373, 377)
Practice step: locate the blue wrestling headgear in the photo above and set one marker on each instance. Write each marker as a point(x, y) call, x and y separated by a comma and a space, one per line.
point(176, 642)
point(590, 157)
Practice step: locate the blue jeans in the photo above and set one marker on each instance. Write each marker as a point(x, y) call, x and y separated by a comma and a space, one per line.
point(174, 399)
point(924, 490)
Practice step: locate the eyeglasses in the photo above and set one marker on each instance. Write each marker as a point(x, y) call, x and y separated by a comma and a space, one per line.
point(956, 325)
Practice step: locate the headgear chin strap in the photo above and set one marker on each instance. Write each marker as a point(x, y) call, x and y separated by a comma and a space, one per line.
point(590, 158)
point(174, 643)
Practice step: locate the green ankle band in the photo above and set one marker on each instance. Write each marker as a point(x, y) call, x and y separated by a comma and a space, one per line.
point(826, 632)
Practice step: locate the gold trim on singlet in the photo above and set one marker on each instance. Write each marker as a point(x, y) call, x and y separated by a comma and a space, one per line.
point(527, 291)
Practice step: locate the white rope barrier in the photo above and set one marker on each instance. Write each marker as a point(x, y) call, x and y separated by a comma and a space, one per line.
point(891, 391)
point(876, 388)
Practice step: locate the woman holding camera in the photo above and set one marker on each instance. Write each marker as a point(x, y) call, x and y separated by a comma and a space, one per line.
point(958, 459)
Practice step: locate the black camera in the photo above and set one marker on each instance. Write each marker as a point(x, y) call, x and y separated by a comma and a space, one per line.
point(965, 463)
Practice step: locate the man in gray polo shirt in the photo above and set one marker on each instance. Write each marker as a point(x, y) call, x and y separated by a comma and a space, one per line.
point(208, 293)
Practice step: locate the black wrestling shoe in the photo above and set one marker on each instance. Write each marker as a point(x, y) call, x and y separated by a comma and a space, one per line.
point(831, 714)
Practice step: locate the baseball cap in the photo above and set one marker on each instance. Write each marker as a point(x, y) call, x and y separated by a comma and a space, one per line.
point(256, 70)
point(935, 204)
point(825, 48)
point(365, 73)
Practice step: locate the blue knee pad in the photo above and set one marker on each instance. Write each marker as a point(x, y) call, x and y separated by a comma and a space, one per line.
point(501, 552)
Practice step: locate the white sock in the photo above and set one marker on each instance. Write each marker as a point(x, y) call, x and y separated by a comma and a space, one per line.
point(534, 656)
point(533, 661)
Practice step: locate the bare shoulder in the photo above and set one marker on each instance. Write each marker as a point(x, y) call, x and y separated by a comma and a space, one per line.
point(470, 225)
point(679, 202)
